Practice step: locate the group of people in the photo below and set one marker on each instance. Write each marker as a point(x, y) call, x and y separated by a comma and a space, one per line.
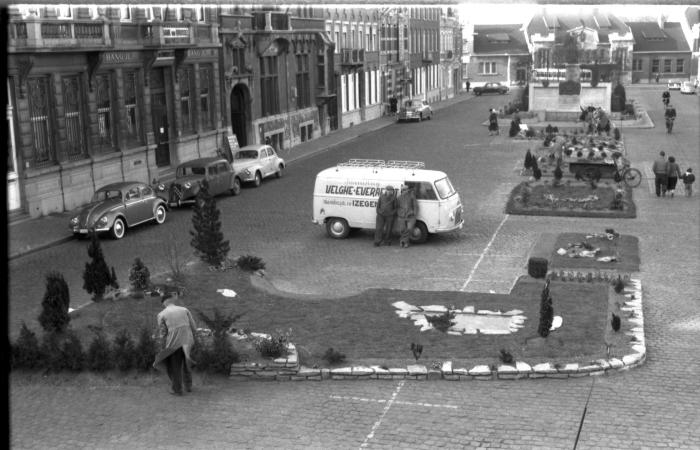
point(390, 208)
point(667, 173)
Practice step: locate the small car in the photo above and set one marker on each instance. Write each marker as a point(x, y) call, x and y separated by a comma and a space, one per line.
point(252, 163)
point(415, 109)
point(117, 207)
point(217, 171)
point(688, 87)
point(493, 87)
point(674, 84)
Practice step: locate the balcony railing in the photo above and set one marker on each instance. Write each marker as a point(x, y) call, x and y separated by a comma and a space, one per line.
point(80, 34)
point(270, 21)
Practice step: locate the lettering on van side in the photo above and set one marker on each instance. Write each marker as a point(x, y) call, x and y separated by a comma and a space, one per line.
point(361, 191)
point(365, 203)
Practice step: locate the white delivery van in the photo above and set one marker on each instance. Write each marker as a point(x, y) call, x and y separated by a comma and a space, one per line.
point(345, 196)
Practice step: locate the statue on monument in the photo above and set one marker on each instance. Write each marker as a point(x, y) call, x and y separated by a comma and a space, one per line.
point(572, 85)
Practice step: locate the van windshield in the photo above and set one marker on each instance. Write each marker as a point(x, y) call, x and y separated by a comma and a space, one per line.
point(444, 188)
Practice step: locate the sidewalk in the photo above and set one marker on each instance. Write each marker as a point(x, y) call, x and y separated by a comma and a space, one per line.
point(29, 235)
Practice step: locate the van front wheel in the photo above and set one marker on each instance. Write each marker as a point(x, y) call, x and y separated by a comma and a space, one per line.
point(337, 228)
point(420, 233)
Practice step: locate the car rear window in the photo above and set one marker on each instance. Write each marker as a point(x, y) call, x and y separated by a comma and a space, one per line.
point(444, 188)
point(105, 195)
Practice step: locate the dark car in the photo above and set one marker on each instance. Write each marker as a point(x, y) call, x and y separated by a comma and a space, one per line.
point(118, 206)
point(189, 176)
point(491, 88)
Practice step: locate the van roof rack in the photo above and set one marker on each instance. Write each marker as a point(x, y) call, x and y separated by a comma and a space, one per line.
point(359, 162)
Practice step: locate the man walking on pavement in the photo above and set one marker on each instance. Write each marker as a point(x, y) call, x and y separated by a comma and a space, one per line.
point(659, 169)
point(176, 330)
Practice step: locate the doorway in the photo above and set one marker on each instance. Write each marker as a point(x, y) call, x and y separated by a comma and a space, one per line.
point(239, 113)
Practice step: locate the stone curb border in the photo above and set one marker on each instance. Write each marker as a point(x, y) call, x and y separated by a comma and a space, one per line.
point(289, 369)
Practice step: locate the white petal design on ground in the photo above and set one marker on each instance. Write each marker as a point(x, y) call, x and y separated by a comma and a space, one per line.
point(226, 292)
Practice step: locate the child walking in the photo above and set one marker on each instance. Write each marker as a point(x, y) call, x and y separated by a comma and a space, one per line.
point(688, 180)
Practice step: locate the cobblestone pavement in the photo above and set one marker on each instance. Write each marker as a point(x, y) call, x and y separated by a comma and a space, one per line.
point(652, 406)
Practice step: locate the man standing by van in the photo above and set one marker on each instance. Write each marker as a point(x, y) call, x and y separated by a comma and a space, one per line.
point(386, 210)
point(407, 209)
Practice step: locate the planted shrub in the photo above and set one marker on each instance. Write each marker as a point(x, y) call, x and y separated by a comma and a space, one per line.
point(72, 354)
point(536, 172)
point(54, 307)
point(333, 356)
point(530, 133)
point(139, 276)
point(26, 353)
point(546, 312)
point(615, 322)
point(207, 238)
point(215, 356)
point(417, 350)
point(537, 267)
point(220, 323)
point(274, 346)
point(616, 134)
point(619, 285)
point(99, 354)
point(250, 263)
point(505, 356)
point(124, 351)
point(442, 322)
point(558, 174)
point(617, 202)
point(97, 276)
point(514, 128)
point(525, 195)
point(528, 159)
point(145, 352)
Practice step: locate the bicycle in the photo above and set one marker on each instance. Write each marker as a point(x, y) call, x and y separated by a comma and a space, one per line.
point(623, 174)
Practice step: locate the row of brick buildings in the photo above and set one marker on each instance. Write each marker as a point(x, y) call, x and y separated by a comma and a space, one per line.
point(628, 51)
point(100, 93)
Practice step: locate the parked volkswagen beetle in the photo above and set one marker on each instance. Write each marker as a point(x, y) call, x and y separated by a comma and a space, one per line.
point(255, 162)
point(118, 206)
point(189, 176)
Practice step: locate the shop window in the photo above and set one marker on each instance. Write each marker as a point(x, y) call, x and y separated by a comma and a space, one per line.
point(104, 111)
point(205, 109)
point(667, 66)
point(269, 93)
point(74, 144)
point(186, 113)
point(306, 131)
point(131, 107)
point(303, 81)
point(41, 119)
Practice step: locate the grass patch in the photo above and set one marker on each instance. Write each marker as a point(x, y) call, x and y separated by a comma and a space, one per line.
point(625, 248)
point(571, 198)
point(367, 330)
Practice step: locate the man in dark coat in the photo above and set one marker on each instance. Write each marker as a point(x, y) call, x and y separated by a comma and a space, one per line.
point(386, 210)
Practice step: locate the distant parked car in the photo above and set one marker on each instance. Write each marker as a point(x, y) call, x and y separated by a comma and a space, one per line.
point(674, 84)
point(189, 176)
point(491, 88)
point(118, 206)
point(688, 87)
point(252, 163)
point(415, 109)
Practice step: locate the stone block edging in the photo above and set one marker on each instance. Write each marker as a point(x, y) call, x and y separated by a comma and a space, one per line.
point(289, 369)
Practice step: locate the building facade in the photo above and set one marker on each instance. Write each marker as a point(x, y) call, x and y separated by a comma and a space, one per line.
point(450, 76)
point(100, 94)
point(660, 52)
point(500, 53)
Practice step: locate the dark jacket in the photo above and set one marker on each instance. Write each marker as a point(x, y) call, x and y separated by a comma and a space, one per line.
point(672, 170)
point(688, 178)
point(386, 204)
point(659, 166)
point(407, 204)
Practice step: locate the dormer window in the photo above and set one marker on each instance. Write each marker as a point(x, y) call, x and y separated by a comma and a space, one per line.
point(654, 35)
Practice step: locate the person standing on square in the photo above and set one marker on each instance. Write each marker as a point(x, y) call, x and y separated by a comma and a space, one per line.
point(688, 180)
point(659, 169)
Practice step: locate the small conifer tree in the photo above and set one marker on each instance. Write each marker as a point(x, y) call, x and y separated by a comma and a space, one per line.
point(26, 353)
point(97, 275)
point(546, 312)
point(207, 238)
point(124, 351)
point(99, 355)
point(146, 350)
point(54, 313)
point(139, 276)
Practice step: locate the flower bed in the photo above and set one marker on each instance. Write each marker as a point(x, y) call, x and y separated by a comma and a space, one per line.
point(571, 198)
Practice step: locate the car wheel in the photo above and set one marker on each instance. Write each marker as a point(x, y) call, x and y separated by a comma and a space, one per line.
point(420, 233)
point(258, 179)
point(119, 228)
point(160, 214)
point(280, 168)
point(236, 188)
point(337, 228)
